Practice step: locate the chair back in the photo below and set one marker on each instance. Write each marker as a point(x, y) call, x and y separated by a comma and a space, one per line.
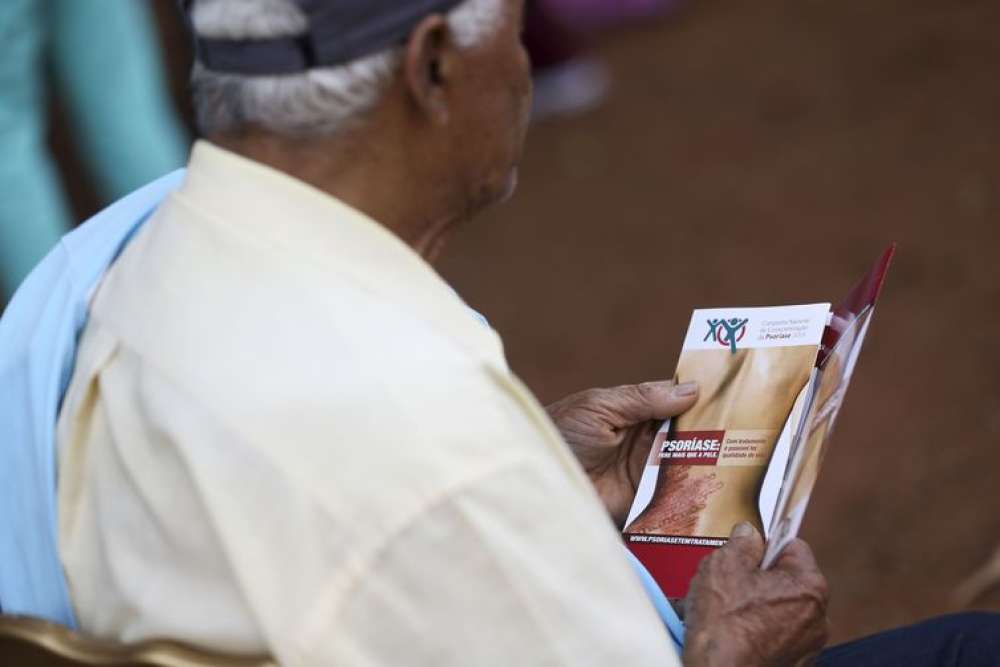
point(30, 642)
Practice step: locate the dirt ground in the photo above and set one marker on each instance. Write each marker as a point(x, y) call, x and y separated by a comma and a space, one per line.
point(760, 153)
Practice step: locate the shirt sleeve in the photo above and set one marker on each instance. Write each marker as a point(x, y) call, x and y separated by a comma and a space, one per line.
point(502, 572)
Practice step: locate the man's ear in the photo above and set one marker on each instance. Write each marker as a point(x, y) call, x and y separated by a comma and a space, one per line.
point(427, 66)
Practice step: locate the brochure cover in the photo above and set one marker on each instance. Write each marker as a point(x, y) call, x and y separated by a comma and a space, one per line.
point(772, 381)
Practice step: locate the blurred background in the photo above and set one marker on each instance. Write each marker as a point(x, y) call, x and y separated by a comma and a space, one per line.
point(713, 153)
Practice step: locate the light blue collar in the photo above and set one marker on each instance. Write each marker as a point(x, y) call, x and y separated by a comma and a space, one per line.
point(38, 339)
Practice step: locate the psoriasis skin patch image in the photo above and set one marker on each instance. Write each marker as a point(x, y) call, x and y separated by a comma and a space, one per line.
point(713, 459)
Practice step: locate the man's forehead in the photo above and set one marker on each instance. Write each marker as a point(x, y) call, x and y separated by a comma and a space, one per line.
point(340, 31)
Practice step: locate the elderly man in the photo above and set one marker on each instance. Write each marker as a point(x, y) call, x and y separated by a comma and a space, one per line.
point(286, 434)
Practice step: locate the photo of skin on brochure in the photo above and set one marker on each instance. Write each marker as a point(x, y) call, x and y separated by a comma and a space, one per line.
point(749, 395)
point(772, 382)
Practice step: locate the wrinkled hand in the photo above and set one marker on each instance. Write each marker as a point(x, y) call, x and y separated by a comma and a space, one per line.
point(611, 432)
point(738, 614)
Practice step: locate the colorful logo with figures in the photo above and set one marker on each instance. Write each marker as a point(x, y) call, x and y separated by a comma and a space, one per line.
point(727, 333)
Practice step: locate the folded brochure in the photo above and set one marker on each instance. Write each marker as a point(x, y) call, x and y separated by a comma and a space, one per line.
point(772, 381)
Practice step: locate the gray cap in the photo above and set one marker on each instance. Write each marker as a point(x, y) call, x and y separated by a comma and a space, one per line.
point(340, 31)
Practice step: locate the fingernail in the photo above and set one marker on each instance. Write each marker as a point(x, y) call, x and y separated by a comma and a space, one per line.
point(685, 389)
point(744, 529)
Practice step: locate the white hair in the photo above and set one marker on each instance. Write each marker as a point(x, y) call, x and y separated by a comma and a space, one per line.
point(319, 101)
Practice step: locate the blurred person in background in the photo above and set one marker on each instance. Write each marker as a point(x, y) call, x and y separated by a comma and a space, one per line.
point(105, 67)
point(593, 15)
point(569, 79)
point(284, 433)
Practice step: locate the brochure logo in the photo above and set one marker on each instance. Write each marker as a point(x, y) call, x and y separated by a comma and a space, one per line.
point(727, 333)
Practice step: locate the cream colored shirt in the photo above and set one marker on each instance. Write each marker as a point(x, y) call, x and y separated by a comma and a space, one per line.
point(286, 434)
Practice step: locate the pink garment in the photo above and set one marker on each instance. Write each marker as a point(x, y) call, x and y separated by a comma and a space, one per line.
point(595, 14)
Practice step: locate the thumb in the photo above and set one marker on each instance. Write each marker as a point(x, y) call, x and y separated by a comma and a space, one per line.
point(747, 543)
point(637, 403)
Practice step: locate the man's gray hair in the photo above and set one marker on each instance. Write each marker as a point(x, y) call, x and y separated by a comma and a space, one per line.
point(320, 101)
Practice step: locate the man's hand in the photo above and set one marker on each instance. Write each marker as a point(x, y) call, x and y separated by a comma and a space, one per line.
point(738, 614)
point(611, 432)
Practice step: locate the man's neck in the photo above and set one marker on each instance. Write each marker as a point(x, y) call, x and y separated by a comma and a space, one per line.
point(367, 175)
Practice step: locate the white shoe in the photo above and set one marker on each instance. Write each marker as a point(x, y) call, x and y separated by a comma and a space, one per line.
point(574, 87)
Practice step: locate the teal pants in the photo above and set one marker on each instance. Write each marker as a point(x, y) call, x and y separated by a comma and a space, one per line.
point(103, 58)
